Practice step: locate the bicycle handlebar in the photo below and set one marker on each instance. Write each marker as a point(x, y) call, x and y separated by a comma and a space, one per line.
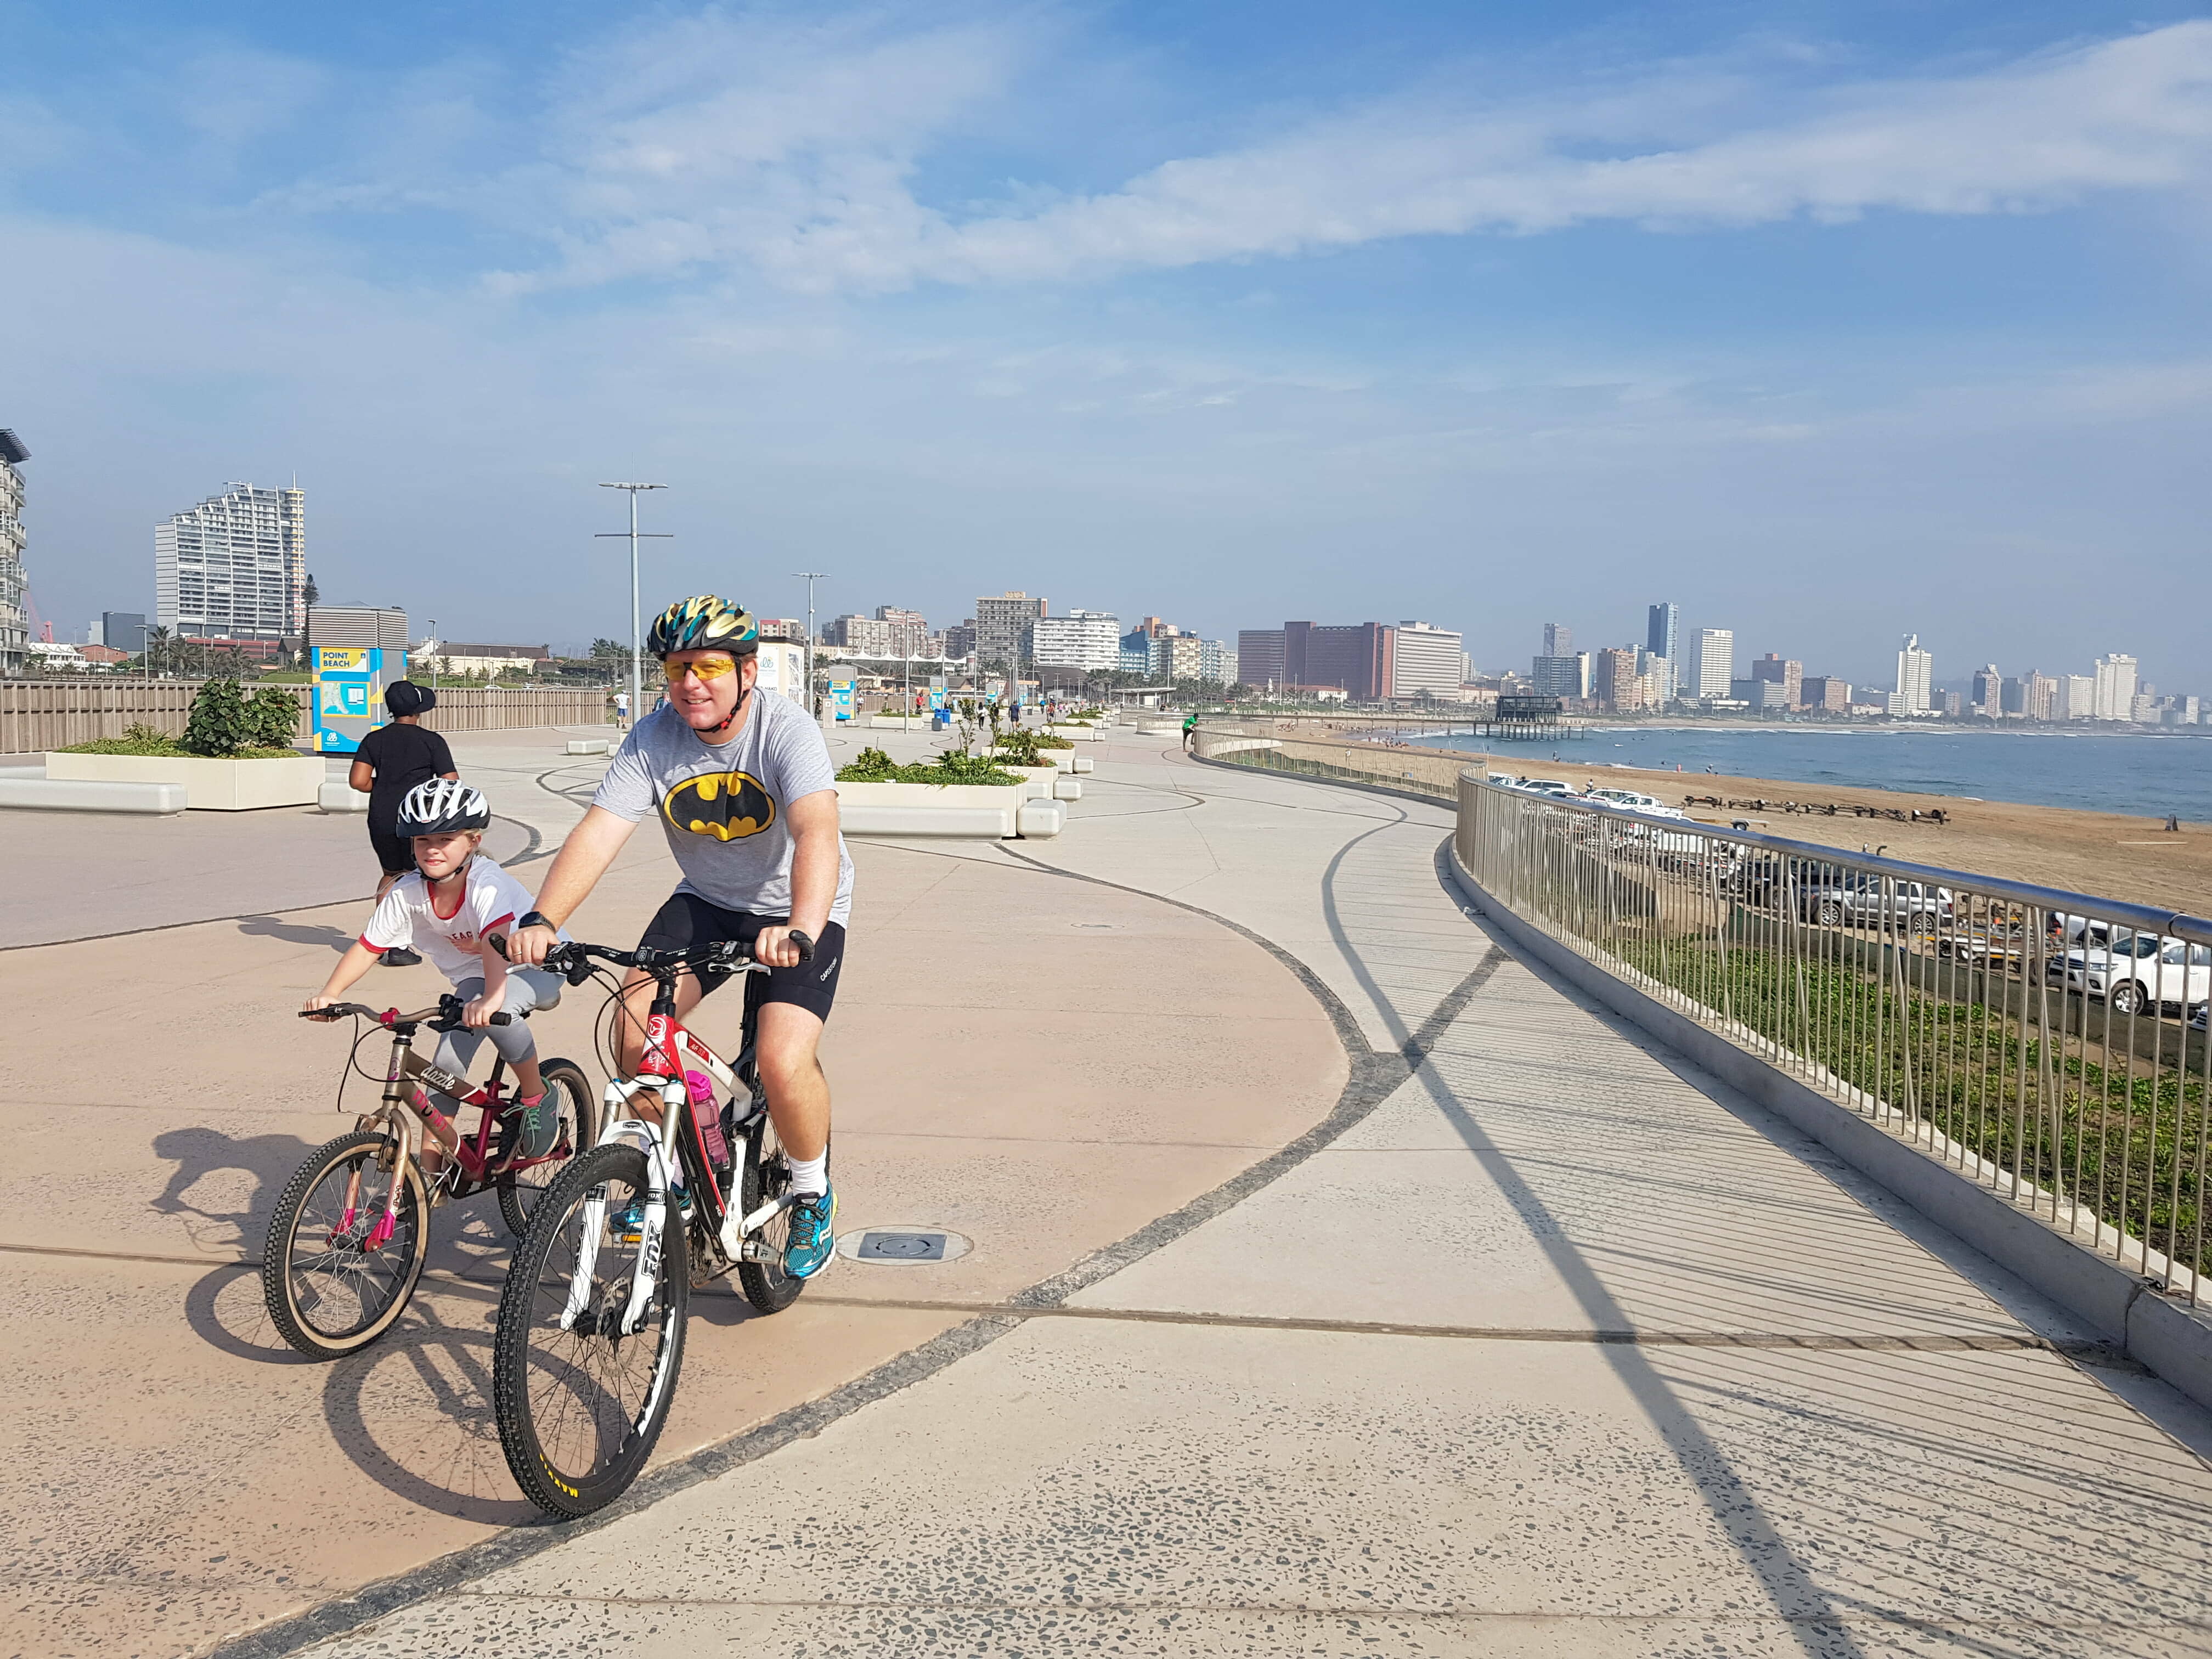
point(443, 1018)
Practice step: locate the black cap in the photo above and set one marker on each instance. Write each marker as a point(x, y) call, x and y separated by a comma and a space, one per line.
point(406, 697)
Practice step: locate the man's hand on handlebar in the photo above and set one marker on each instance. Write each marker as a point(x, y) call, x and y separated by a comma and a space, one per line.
point(526, 947)
point(782, 947)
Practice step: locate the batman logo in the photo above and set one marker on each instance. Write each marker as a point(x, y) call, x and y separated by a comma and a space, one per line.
point(727, 806)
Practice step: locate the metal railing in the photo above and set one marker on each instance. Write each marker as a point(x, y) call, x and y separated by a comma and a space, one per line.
point(2044, 1044)
point(1358, 749)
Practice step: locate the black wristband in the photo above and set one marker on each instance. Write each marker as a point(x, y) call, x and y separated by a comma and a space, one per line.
point(533, 919)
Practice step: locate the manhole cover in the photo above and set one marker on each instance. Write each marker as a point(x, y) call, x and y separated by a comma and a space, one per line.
point(903, 1246)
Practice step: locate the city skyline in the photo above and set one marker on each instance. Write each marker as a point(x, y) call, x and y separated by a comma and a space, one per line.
point(1495, 310)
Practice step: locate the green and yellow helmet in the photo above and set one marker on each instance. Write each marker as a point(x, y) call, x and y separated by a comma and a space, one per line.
point(704, 622)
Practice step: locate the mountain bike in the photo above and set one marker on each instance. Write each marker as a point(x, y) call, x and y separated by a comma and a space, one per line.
point(678, 1191)
point(347, 1243)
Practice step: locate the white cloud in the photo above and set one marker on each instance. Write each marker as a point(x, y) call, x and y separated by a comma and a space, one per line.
point(796, 154)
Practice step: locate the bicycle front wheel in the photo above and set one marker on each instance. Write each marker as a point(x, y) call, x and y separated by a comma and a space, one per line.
point(580, 1401)
point(334, 1273)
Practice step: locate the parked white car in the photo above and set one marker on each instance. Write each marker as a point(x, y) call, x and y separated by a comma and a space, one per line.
point(1634, 801)
point(2143, 972)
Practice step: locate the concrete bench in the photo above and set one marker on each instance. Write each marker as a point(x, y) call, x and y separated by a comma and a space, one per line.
point(40, 794)
point(1083, 763)
point(588, 745)
point(1041, 820)
point(337, 795)
point(1067, 787)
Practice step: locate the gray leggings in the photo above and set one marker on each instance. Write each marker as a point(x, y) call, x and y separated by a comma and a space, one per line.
point(528, 988)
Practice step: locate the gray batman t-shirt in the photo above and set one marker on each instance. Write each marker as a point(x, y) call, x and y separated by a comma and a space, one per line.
point(722, 805)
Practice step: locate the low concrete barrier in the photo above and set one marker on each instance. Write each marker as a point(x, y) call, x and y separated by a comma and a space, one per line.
point(38, 794)
point(973, 811)
point(588, 745)
point(1067, 787)
point(1082, 764)
point(1041, 820)
point(210, 786)
point(339, 796)
point(1036, 780)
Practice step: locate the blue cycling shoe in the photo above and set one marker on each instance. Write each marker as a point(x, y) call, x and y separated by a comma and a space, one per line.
point(627, 1223)
point(813, 1237)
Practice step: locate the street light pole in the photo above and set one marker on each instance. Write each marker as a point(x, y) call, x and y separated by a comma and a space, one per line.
point(636, 649)
point(811, 577)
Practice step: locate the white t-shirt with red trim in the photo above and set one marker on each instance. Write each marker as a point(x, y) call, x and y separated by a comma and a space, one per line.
point(490, 901)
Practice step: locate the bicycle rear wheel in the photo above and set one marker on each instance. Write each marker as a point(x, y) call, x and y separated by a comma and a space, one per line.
point(766, 1174)
point(580, 1403)
point(330, 1291)
point(569, 1091)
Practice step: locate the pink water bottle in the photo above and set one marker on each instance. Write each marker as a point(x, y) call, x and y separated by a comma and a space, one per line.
point(707, 1117)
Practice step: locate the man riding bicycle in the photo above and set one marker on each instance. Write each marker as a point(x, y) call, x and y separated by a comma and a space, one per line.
point(747, 797)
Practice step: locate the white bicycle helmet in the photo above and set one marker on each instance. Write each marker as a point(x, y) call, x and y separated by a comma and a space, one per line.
point(442, 806)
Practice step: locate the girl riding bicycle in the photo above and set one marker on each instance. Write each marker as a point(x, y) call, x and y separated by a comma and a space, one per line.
point(448, 907)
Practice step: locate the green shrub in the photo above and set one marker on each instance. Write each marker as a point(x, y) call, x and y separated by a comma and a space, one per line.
point(225, 724)
point(140, 738)
point(874, 766)
point(273, 717)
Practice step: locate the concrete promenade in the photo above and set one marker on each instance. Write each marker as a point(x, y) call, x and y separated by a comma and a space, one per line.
point(1340, 1285)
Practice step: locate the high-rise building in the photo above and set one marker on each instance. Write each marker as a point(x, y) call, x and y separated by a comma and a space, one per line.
point(910, 631)
point(2113, 698)
point(1259, 657)
point(235, 567)
point(15, 625)
point(1825, 693)
point(1426, 658)
point(1915, 678)
point(1558, 640)
point(2040, 695)
point(1988, 696)
point(1561, 677)
point(1618, 685)
point(865, 636)
point(1355, 657)
point(1785, 671)
point(1662, 637)
point(1714, 663)
point(960, 639)
point(1003, 625)
point(1089, 640)
point(123, 630)
point(2078, 702)
point(1218, 661)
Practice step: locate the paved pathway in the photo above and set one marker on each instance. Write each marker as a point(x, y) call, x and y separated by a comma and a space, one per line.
point(1544, 1344)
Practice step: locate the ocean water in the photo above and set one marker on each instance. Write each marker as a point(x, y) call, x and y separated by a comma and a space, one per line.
point(2142, 775)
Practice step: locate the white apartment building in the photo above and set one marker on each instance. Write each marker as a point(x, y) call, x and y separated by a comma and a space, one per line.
point(1218, 661)
point(14, 627)
point(1089, 640)
point(1712, 662)
point(910, 631)
point(1915, 676)
point(1426, 658)
point(235, 567)
point(2078, 697)
point(2114, 696)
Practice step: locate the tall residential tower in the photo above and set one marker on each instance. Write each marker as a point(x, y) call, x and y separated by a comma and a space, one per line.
point(235, 567)
point(14, 628)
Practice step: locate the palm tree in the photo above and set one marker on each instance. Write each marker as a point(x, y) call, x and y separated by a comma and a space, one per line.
point(157, 644)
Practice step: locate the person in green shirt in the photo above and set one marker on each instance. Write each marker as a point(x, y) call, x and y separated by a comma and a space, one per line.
point(1189, 726)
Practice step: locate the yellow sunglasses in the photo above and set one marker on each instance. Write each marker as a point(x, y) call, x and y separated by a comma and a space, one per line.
point(702, 668)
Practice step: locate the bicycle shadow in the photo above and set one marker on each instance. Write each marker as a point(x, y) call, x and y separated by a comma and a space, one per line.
point(294, 932)
point(414, 1411)
point(243, 1173)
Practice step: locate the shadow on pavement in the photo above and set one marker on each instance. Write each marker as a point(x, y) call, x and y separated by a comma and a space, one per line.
point(413, 1412)
point(294, 932)
point(265, 1162)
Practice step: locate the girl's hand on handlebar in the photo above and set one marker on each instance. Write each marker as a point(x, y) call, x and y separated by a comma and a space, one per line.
point(315, 1003)
point(478, 1014)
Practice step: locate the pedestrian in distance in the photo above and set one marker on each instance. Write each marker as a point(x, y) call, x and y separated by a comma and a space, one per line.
point(622, 711)
point(1190, 732)
point(391, 761)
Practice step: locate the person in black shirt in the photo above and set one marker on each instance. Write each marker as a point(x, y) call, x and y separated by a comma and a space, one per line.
point(391, 761)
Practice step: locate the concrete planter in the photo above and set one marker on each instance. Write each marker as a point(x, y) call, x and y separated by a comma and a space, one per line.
point(983, 811)
point(898, 722)
point(210, 786)
point(1077, 733)
point(1036, 780)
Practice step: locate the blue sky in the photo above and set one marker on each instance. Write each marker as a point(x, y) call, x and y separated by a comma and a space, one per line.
point(1825, 321)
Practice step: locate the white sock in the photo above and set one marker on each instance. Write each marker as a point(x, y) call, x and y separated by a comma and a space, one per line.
point(811, 1175)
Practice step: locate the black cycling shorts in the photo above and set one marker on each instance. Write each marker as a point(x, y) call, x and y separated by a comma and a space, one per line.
point(395, 855)
point(687, 920)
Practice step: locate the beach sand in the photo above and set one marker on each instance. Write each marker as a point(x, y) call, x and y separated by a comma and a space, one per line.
point(2101, 853)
